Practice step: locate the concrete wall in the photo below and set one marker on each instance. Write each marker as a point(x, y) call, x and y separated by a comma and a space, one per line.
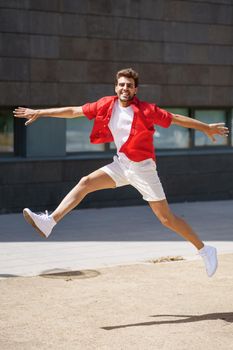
point(66, 52)
point(42, 184)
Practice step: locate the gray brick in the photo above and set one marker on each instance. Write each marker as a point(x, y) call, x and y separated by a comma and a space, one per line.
point(196, 96)
point(72, 71)
point(221, 2)
point(220, 75)
point(185, 74)
point(30, 172)
point(221, 95)
point(151, 93)
point(44, 46)
point(44, 23)
point(18, 45)
point(220, 35)
point(184, 96)
point(120, 8)
point(78, 94)
point(73, 25)
point(44, 70)
point(98, 72)
point(14, 94)
point(198, 54)
point(51, 5)
point(43, 94)
point(77, 6)
point(197, 33)
point(198, 12)
point(153, 9)
point(158, 73)
point(104, 27)
point(122, 50)
point(14, 69)
point(16, 4)
point(12, 20)
point(139, 29)
point(150, 30)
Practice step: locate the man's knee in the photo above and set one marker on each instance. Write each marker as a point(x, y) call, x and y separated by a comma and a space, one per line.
point(85, 184)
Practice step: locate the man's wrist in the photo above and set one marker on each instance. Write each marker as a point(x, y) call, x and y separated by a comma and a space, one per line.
point(206, 128)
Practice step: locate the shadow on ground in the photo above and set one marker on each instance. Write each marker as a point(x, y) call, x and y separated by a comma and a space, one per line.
point(224, 316)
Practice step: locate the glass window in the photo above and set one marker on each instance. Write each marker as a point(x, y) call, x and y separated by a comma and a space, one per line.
point(209, 116)
point(174, 136)
point(6, 131)
point(77, 136)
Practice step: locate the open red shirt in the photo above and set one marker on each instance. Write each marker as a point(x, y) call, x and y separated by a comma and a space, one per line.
point(139, 145)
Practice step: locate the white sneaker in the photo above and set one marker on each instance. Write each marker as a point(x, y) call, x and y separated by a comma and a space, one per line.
point(43, 223)
point(209, 255)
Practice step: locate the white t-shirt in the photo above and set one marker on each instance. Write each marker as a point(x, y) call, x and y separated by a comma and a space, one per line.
point(120, 123)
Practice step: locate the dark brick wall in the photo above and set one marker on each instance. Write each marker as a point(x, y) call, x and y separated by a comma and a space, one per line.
point(41, 184)
point(66, 52)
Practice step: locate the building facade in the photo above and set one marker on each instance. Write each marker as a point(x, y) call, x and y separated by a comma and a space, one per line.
point(66, 52)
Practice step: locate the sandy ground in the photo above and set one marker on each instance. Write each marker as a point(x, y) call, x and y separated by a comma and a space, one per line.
point(169, 306)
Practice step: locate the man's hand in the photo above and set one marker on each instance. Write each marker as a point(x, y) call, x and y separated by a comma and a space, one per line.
point(216, 129)
point(31, 114)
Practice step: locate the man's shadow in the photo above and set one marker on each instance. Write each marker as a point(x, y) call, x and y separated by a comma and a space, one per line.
point(225, 316)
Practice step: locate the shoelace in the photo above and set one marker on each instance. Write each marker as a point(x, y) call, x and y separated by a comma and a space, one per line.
point(46, 214)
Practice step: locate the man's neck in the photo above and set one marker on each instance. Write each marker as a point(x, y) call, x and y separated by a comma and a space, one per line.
point(125, 103)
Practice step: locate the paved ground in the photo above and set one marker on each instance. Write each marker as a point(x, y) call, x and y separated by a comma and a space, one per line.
point(104, 237)
point(122, 301)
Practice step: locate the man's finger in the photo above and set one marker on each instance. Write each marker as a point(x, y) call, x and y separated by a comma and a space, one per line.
point(212, 138)
point(219, 124)
point(31, 120)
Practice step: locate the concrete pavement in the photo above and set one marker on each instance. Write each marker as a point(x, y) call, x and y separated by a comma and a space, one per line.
point(95, 238)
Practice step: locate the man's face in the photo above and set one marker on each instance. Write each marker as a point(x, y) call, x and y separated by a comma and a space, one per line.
point(125, 90)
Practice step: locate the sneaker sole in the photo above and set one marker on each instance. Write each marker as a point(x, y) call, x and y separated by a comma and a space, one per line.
point(216, 266)
point(31, 222)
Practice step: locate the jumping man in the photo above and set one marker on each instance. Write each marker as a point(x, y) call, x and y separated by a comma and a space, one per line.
point(128, 122)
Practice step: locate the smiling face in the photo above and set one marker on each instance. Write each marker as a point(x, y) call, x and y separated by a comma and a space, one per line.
point(125, 90)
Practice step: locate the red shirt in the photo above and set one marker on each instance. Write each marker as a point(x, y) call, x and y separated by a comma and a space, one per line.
point(139, 145)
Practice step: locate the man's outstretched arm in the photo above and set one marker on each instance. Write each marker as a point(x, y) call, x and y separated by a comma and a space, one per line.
point(33, 114)
point(209, 129)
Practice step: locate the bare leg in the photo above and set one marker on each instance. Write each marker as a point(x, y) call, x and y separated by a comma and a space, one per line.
point(175, 223)
point(98, 180)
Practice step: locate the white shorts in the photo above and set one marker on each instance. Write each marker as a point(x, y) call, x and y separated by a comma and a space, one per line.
point(141, 175)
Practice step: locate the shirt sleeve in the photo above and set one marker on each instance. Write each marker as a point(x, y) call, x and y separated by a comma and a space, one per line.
point(90, 110)
point(162, 117)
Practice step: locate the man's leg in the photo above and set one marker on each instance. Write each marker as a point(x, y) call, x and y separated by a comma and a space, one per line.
point(98, 180)
point(163, 212)
point(44, 223)
point(180, 226)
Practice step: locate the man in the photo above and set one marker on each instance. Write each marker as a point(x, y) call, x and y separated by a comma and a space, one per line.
point(128, 122)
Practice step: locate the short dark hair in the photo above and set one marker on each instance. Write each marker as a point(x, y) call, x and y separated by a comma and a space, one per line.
point(129, 73)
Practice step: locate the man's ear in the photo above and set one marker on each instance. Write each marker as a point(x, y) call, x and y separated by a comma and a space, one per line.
point(136, 91)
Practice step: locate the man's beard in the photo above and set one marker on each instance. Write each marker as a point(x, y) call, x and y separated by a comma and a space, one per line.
point(128, 98)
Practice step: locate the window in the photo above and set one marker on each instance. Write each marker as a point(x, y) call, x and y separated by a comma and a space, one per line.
point(174, 136)
point(6, 131)
point(77, 136)
point(209, 116)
